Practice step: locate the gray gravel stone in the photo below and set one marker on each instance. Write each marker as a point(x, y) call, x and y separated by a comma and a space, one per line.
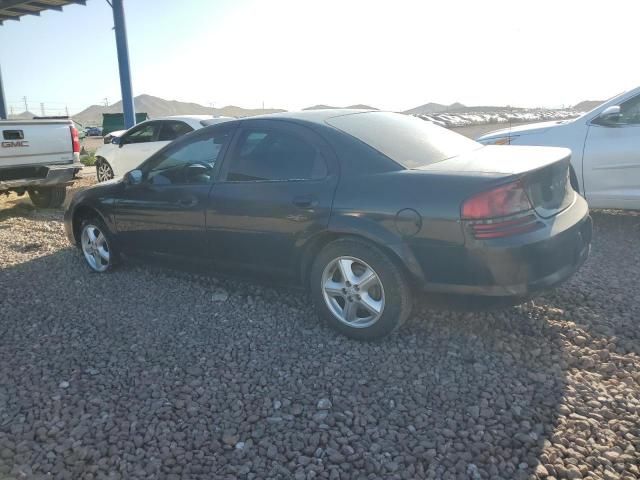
point(164, 382)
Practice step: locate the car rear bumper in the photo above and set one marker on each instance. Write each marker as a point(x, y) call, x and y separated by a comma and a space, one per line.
point(524, 264)
point(37, 175)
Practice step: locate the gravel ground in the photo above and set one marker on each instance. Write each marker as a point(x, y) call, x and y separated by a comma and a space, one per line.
point(150, 373)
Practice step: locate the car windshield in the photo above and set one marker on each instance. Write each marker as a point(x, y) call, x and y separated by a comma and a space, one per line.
point(408, 140)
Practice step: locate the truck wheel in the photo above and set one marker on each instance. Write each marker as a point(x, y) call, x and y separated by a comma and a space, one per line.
point(104, 171)
point(48, 197)
point(359, 291)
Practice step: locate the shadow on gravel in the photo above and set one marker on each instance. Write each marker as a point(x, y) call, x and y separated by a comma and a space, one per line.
point(139, 374)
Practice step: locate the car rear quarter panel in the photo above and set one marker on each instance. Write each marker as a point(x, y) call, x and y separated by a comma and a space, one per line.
point(368, 205)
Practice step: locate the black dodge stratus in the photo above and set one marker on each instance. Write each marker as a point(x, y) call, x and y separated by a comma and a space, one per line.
point(366, 209)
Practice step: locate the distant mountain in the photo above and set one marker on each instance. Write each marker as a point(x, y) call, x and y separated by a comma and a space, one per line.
point(159, 107)
point(350, 107)
point(587, 105)
point(22, 116)
point(431, 108)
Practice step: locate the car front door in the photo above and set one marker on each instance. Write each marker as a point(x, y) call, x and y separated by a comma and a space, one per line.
point(165, 212)
point(611, 161)
point(135, 146)
point(275, 190)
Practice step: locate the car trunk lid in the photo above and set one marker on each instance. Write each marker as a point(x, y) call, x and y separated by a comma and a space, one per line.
point(544, 172)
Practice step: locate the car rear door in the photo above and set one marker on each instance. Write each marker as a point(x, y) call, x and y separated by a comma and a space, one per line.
point(611, 160)
point(165, 213)
point(275, 191)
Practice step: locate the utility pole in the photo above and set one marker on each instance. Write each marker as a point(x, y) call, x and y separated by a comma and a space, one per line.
point(26, 105)
point(42, 109)
point(66, 109)
point(106, 101)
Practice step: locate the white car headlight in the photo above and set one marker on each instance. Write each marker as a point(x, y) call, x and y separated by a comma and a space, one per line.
point(506, 140)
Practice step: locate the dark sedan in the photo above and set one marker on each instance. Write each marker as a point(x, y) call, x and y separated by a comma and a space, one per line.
point(364, 208)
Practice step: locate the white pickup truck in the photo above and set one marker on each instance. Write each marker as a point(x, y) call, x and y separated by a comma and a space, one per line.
point(605, 149)
point(39, 157)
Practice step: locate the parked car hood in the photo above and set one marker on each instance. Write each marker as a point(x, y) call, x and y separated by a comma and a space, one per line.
point(522, 129)
point(499, 160)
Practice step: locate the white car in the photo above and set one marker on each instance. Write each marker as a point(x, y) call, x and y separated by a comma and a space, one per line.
point(605, 146)
point(131, 148)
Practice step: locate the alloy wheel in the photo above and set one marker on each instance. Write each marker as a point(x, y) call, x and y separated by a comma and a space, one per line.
point(95, 248)
point(353, 292)
point(104, 172)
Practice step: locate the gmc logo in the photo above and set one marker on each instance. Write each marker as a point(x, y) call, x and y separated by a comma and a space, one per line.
point(15, 143)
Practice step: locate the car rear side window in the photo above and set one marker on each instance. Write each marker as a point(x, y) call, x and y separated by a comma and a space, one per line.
point(407, 140)
point(270, 155)
point(172, 130)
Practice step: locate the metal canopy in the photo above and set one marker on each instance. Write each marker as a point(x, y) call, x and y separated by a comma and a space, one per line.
point(14, 9)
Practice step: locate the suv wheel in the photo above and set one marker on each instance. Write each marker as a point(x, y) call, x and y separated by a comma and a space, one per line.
point(359, 290)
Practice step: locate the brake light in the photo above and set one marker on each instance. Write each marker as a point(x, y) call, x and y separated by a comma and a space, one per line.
point(75, 139)
point(502, 201)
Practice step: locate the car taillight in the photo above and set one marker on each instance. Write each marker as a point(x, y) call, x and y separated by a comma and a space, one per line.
point(75, 139)
point(502, 201)
point(500, 212)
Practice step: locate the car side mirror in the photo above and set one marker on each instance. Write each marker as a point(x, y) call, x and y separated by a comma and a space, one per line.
point(609, 115)
point(197, 173)
point(115, 140)
point(134, 177)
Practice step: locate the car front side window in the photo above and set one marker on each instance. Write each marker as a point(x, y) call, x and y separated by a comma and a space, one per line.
point(141, 134)
point(630, 112)
point(271, 155)
point(190, 162)
point(173, 129)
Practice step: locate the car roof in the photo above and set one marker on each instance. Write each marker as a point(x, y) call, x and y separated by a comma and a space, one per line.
point(187, 117)
point(313, 116)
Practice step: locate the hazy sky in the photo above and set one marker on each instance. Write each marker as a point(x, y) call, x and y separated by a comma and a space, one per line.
point(295, 53)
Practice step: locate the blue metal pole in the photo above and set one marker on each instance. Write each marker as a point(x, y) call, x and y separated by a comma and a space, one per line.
point(123, 64)
point(3, 105)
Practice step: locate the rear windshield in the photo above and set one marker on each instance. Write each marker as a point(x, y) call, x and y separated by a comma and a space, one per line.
point(408, 140)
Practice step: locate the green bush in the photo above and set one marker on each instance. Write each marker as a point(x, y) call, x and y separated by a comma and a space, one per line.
point(88, 160)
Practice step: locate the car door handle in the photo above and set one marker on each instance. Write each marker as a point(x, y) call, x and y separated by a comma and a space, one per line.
point(305, 201)
point(188, 202)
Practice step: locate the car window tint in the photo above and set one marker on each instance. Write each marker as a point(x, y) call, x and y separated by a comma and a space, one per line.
point(409, 141)
point(630, 112)
point(144, 134)
point(172, 130)
point(188, 163)
point(272, 155)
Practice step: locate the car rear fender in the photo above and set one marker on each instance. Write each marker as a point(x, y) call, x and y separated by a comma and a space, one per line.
point(342, 224)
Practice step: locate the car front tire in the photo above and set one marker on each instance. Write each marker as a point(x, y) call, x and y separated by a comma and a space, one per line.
point(104, 172)
point(359, 290)
point(97, 245)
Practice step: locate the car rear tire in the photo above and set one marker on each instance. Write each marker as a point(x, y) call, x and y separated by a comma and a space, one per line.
point(359, 290)
point(48, 197)
point(104, 172)
point(97, 245)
